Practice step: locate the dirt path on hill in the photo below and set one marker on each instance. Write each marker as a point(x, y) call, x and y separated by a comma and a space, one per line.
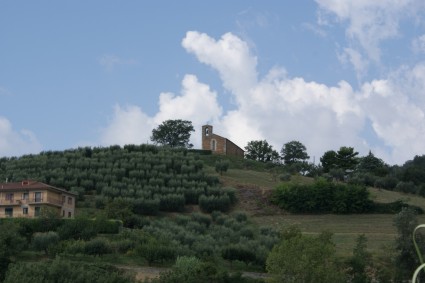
point(143, 272)
point(146, 272)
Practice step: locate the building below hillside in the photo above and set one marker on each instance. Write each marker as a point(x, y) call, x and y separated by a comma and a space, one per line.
point(28, 198)
point(218, 144)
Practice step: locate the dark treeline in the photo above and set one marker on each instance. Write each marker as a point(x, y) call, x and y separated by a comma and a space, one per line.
point(332, 197)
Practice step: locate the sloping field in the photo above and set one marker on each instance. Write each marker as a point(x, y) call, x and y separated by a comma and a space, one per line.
point(254, 191)
point(378, 228)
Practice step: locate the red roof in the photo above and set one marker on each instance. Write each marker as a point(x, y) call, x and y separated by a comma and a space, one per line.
point(30, 185)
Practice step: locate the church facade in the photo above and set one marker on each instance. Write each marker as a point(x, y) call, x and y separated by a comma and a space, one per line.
point(218, 144)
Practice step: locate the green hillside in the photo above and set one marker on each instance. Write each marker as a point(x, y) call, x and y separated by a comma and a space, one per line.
point(148, 206)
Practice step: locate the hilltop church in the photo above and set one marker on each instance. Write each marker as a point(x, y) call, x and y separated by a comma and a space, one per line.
point(218, 144)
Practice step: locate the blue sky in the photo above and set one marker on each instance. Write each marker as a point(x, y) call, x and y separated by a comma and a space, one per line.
point(328, 73)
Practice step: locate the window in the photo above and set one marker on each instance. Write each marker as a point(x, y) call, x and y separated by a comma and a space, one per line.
point(25, 210)
point(213, 145)
point(63, 213)
point(38, 197)
point(69, 200)
point(37, 211)
point(9, 197)
point(25, 196)
point(69, 214)
point(207, 132)
point(63, 199)
point(8, 211)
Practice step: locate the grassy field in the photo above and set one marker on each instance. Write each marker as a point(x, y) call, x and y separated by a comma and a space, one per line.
point(378, 228)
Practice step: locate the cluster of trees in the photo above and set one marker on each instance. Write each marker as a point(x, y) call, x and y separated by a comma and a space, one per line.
point(231, 237)
point(323, 197)
point(344, 164)
point(294, 156)
point(46, 234)
point(330, 197)
point(217, 236)
point(291, 153)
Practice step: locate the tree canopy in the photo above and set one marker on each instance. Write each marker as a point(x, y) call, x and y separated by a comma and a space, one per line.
point(328, 160)
point(173, 133)
point(294, 152)
point(373, 164)
point(303, 258)
point(345, 159)
point(260, 150)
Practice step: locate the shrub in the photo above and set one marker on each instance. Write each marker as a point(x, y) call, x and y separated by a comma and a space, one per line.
point(97, 247)
point(172, 202)
point(239, 252)
point(146, 206)
point(285, 177)
point(221, 166)
point(74, 247)
point(322, 197)
point(387, 183)
point(106, 226)
point(156, 251)
point(406, 187)
point(211, 203)
point(45, 241)
point(77, 229)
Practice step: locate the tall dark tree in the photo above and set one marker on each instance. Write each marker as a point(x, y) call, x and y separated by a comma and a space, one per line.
point(372, 164)
point(328, 160)
point(261, 151)
point(173, 133)
point(414, 170)
point(294, 152)
point(346, 158)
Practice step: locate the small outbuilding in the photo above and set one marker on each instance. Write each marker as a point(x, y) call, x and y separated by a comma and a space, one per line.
point(218, 144)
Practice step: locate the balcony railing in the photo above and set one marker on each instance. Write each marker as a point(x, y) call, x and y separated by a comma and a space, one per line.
point(33, 200)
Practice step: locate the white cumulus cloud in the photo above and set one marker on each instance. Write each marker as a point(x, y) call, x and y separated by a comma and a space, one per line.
point(370, 22)
point(129, 125)
point(281, 108)
point(16, 143)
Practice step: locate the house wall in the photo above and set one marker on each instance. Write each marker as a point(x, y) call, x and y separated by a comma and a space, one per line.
point(51, 200)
